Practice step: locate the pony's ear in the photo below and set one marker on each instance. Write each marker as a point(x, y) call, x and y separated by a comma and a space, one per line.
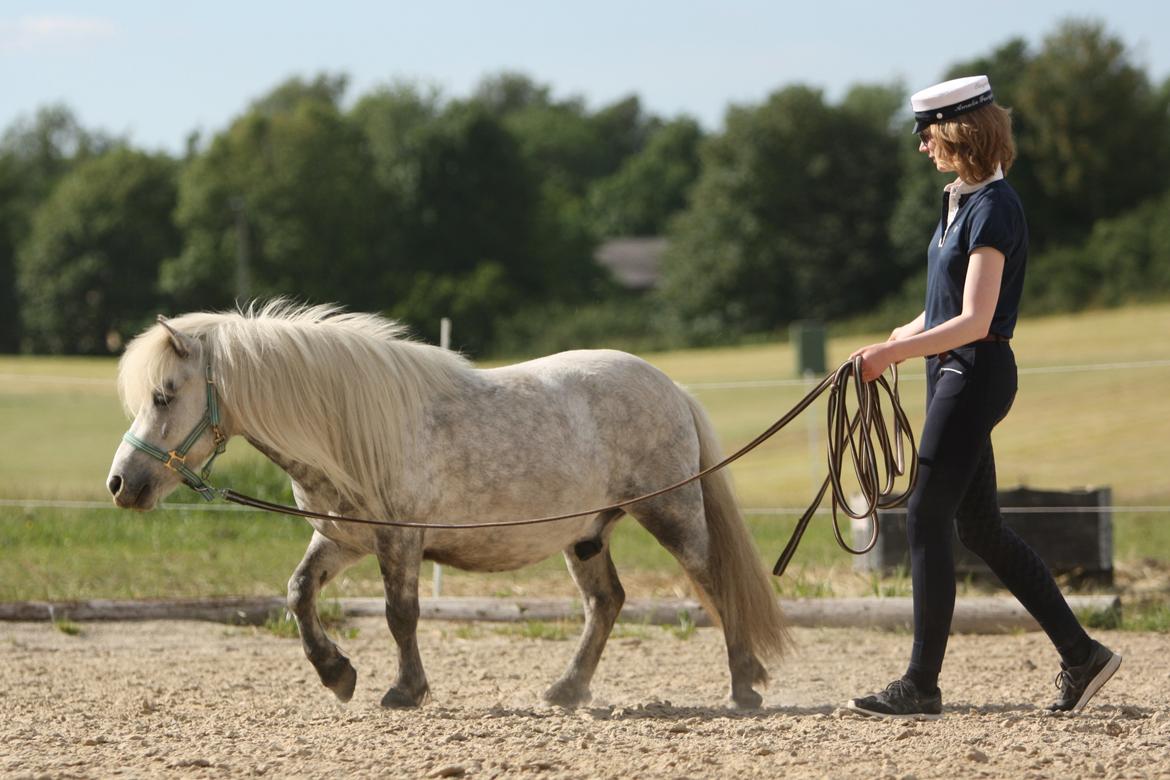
point(181, 343)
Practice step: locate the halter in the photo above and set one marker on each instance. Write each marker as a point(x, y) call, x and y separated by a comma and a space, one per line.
point(176, 459)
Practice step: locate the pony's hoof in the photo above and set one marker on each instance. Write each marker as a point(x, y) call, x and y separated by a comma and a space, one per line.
point(567, 695)
point(343, 688)
point(400, 698)
point(341, 678)
point(747, 700)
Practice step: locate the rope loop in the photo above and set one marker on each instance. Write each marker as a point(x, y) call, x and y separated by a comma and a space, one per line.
point(864, 435)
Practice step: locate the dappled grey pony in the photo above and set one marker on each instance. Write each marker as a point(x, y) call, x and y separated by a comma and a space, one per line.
point(369, 423)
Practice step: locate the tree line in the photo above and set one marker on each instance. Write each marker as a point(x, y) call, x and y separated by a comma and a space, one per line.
point(489, 209)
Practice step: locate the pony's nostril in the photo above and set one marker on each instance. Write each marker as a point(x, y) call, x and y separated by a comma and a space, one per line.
point(115, 485)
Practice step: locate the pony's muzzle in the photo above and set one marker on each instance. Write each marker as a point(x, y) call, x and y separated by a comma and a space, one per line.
point(129, 493)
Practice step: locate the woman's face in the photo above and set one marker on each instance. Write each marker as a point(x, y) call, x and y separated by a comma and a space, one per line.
point(926, 144)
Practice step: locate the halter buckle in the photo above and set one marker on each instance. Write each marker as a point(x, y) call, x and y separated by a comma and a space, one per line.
point(175, 457)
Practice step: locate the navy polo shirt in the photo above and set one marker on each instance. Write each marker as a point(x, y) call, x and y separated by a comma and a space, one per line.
point(991, 216)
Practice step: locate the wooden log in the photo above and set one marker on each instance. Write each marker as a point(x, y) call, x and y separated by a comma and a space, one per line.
point(251, 611)
point(972, 615)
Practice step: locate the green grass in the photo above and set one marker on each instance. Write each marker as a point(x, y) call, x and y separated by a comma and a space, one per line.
point(686, 625)
point(1141, 614)
point(1146, 615)
point(552, 631)
point(280, 623)
point(67, 627)
point(62, 423)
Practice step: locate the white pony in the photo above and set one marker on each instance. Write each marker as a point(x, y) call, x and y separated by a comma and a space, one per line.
point(368, 423)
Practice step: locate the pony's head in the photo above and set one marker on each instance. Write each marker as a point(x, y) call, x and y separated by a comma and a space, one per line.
point(163, 385)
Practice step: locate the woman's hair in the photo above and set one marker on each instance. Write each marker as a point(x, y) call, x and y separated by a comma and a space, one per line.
point(976, 142)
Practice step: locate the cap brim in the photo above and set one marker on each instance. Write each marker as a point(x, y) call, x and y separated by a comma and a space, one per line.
point(920, 125)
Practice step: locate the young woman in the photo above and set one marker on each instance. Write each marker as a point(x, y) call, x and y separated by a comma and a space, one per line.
point(975, 275)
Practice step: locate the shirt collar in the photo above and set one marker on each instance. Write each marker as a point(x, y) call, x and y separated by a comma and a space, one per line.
point(960, 187)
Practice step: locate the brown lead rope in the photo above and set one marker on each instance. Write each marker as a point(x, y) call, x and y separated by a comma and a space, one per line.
point(853, 432)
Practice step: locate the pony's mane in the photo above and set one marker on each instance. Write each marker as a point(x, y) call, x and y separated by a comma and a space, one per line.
point(338, 391)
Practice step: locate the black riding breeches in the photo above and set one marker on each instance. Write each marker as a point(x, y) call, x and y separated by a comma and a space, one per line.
point(967, 393)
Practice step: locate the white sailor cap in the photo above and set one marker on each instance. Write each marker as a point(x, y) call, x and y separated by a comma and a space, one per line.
point(949, 99)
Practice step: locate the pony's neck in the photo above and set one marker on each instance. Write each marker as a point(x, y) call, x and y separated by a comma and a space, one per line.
point(334, 405)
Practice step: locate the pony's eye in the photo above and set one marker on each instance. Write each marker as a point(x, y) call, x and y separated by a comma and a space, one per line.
point(161, 400)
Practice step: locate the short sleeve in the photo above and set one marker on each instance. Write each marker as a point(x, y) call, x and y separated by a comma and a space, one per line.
point(993, 223)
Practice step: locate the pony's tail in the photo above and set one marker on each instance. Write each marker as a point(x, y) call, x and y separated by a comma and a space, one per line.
point(743, 593)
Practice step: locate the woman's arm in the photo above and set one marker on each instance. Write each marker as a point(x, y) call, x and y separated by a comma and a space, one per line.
point(980, 295)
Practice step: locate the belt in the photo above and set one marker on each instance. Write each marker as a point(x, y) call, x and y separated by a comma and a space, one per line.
point(950, 355)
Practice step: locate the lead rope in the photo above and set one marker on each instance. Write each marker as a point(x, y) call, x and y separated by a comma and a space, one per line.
point(847, 432)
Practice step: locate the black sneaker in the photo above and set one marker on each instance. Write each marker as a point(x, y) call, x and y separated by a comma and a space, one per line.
point(901, 699)
point(1077, 684)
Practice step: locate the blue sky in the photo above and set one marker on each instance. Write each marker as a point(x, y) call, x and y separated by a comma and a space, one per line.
point(158, 71)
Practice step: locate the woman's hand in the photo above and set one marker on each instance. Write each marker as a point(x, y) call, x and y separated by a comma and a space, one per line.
point(875, 359)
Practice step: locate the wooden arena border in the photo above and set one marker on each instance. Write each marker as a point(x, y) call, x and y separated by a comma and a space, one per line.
point(974, 615)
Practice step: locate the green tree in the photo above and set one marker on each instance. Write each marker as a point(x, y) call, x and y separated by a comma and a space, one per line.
point(475, 199)
point(473, 300)
point(1125, 258)
point(1080, 109)
point(787, 220)
point(295, 180)
point(34, 154)
point(88, 272)
point(326, 89)
point(650, 186)
point(623, 130)
point(564, 149)
point(563, 143)
point(395, 121)
point(1087, 109)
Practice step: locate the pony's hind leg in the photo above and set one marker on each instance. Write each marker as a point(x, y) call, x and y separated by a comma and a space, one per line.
point(603, 597)
point(323, 560)
point(678, 522)
point(399, 558)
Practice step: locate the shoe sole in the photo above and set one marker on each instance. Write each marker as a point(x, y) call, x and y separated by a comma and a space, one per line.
point(1095, 684)
point(851, 705)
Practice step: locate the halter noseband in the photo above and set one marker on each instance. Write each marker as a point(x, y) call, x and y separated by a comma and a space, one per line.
point(176, 459)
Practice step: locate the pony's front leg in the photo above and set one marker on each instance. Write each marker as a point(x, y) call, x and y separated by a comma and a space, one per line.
point(399, 557)
point(324, 560)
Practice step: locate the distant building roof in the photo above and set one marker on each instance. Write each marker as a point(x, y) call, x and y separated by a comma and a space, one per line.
point(632, 260)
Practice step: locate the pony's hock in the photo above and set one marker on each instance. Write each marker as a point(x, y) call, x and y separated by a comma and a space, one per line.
point(368, 423)
point(587, 549)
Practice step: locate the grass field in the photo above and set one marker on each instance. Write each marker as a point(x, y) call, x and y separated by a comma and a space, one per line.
point(1070, 428)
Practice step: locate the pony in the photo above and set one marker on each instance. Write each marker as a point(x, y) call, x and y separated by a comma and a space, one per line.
point(368, 422)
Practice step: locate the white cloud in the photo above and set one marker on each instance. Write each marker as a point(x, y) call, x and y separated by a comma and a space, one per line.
point(36, 33)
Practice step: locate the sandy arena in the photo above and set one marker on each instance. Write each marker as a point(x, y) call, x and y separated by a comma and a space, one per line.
point(185, 699)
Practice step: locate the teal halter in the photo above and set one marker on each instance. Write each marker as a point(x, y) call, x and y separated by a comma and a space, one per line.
point(176, 459)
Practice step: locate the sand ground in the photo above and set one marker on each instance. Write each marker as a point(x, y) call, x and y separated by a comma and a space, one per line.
point(186, 699)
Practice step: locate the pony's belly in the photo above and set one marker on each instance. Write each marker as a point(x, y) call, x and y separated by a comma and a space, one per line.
point(493, 550)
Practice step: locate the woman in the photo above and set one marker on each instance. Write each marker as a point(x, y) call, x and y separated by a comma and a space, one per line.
point(975, 275)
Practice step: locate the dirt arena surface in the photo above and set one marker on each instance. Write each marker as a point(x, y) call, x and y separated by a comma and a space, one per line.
point(180, 699)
